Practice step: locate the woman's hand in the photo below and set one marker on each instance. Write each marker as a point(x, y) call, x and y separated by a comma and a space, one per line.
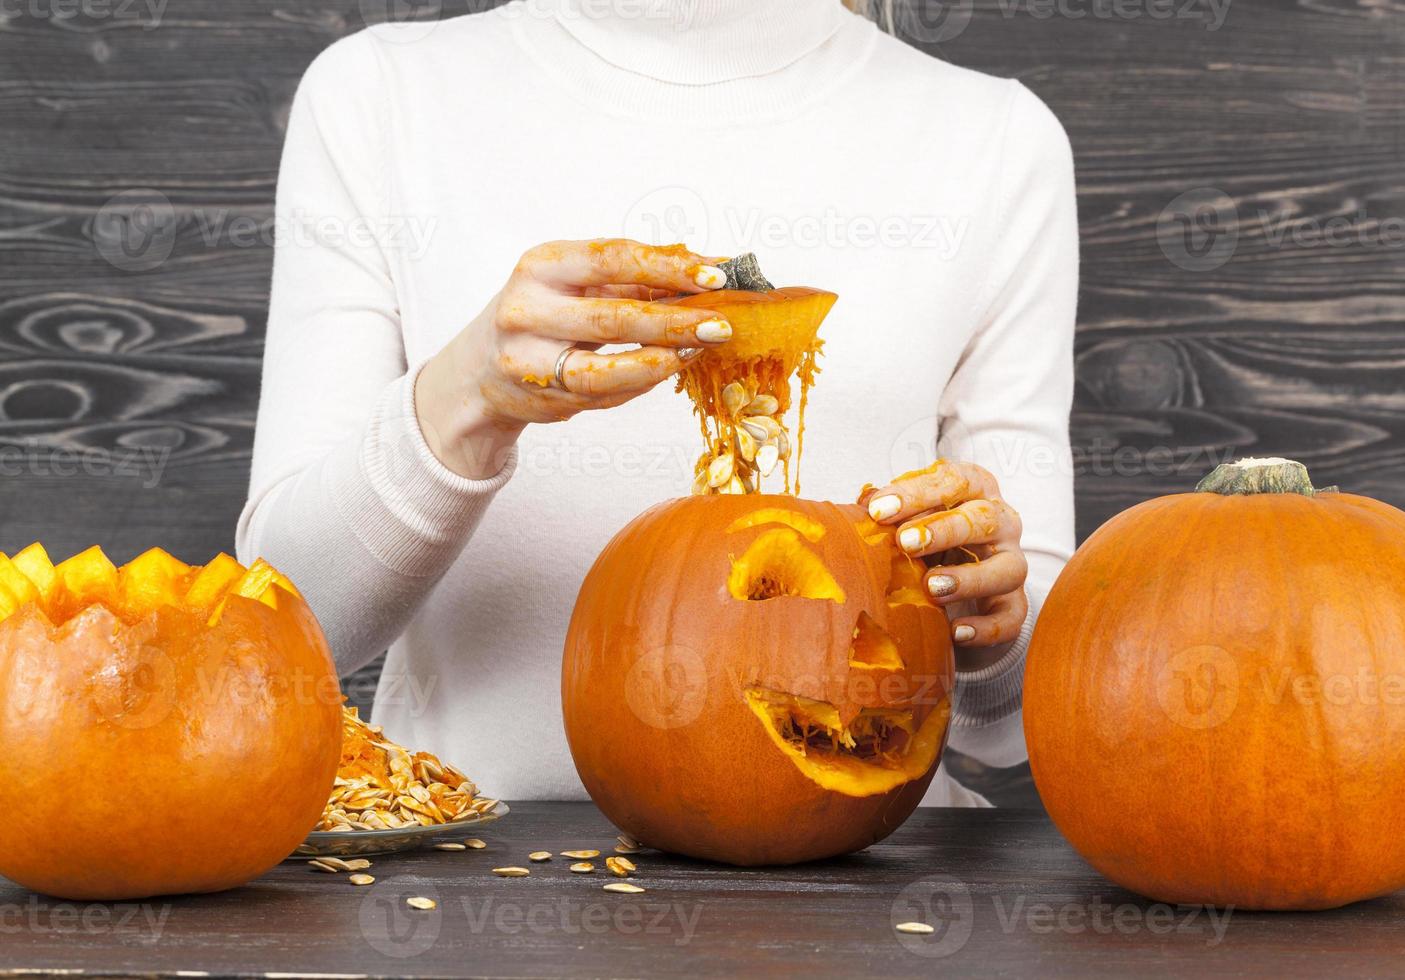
point(530, 356)
point(953, 513)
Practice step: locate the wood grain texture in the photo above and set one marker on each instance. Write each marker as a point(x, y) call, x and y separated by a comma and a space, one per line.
point(1007, 895)
point(1290, 113)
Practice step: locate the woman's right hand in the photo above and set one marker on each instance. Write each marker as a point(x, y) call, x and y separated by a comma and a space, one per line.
point(474, 397)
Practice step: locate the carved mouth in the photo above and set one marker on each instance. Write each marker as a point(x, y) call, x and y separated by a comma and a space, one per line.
point(879, 750)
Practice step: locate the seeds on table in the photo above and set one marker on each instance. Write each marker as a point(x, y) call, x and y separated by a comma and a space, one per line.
point(450, 846)
point(423, 904)
point(620, 867)
point(582, 868)
point(539, 856)
point(581, 855)
point(512, 872)
point(473, 843)
point(915, 928)
point(361, 879)
point(623, 887)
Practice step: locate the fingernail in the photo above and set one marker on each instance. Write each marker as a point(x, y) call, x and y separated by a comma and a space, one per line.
point(913, 538)
point(714, 331)
point(882, 508)
point(710, 277)
point(963, 634)
point(942, 585)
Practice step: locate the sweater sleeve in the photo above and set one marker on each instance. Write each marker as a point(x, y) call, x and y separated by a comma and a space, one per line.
point(1007, 404)
point(345, 496)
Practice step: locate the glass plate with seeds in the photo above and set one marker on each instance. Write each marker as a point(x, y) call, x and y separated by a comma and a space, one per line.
point(360, 843)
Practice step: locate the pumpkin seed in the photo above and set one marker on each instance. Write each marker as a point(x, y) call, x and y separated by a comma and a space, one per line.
point(767, 457)
point(539, 856)
point(700, 486)
point(783, 444)
point(627, 841)
point(734, 396)
point(720, 470)
point(361, 879)
point(582, 868)
point(620, 867)
point(623, 887)
point(915, 928)
point(321, 864)
point(357, 864)
point(450, 846)
point(474, 843)
point(622, 849)
point(580, 855)
point(768, 426)
point(762, 405)
point(758, 431)
point(512, 872)
point(424, 904)
point(746, 445)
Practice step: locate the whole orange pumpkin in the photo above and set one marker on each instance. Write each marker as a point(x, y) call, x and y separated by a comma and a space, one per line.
point(163, 729)
point(1214, 700)
point(756, 679)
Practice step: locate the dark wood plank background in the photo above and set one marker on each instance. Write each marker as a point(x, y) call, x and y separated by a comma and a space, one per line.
point(1284, 337)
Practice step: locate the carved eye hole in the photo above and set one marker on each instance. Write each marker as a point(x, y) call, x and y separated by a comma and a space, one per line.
point(779, 563)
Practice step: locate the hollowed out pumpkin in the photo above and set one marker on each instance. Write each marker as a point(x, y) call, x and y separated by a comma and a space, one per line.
point(1215, 696)
point(756, 679)
point(163, 728)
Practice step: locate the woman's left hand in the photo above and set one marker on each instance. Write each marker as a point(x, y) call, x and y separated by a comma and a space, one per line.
point(953, 513)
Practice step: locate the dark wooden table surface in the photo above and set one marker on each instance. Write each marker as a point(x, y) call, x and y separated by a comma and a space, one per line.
point(1007, 897)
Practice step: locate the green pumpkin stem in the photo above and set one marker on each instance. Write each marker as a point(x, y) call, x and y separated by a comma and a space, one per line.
point(1267, 475)
point(744, 272)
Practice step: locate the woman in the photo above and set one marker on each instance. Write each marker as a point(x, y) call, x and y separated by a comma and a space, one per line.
point(427, 499)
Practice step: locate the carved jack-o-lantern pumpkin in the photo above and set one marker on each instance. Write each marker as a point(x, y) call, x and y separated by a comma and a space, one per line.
point(756, 679)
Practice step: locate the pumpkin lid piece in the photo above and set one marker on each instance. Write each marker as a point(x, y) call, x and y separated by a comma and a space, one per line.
point(775, 336)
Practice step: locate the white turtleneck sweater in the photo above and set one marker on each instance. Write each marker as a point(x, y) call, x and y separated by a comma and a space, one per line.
point(423, 159)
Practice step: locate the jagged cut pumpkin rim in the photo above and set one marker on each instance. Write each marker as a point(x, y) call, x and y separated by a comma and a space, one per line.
point(151, 581)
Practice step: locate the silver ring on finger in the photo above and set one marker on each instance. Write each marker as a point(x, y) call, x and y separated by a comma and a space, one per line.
point(559, 376)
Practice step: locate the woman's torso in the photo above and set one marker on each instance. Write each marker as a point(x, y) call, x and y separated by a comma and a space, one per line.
point(487, 160)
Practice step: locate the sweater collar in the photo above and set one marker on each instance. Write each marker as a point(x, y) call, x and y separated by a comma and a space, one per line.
point(700, 42)
point(730, 61)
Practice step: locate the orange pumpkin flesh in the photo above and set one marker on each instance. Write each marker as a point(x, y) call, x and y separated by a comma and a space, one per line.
point(165, 728)
point(1208, 697)
point(756, 679)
